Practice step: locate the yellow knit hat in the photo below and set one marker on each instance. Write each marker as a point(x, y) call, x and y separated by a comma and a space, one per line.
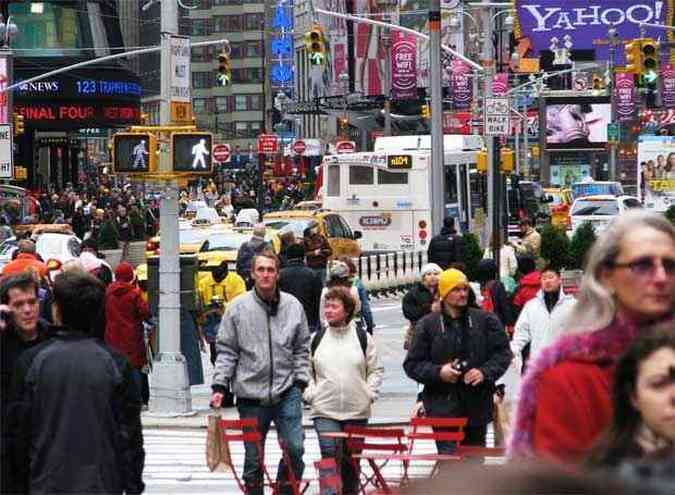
point(450, 279)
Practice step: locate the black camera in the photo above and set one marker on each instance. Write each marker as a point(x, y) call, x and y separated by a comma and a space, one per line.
point(461, 366)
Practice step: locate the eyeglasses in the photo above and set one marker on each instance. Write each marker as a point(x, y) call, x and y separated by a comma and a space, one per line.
point(647, 266)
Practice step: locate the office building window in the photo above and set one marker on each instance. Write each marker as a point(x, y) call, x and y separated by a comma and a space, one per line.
point(222, 104)
point(254, 22)
point(254, 75)
point(240, 103)
point(199, 27)
point(202, 54)
point(254, 49)
point(202, 80)
point(241, 129)
point(199, 105)
point(203, 4)
point(255, 102)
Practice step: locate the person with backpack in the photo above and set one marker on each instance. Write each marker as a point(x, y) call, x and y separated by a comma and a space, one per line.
point(342, 391)
point(447, 247)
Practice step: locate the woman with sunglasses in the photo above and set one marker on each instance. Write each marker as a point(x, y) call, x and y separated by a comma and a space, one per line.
point(628, 284)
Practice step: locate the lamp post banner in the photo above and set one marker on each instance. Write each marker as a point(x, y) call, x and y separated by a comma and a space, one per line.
point(668, 86)
point(544, 24)
point(625, 96)
point(462, 87)
point(500, 84)
point(403, 66)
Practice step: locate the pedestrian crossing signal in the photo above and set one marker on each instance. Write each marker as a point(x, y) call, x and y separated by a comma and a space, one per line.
point(134, 153)
point(191, 152)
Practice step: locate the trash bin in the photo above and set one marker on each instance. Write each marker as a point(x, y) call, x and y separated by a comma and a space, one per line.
point(189, 265)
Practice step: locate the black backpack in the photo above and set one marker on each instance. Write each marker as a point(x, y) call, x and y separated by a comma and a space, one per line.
point(360, 333)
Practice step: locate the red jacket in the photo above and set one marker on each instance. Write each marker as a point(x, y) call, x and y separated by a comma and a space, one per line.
point(24, 262)
point(528, 286)
point(125, 311)
point(565, 399)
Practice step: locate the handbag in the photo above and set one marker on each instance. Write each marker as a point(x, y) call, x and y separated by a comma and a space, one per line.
point(502, 416)
point(218, 457)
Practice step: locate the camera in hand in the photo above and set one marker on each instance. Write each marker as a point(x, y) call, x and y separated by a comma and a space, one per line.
point(5, 316)
point(461, 366)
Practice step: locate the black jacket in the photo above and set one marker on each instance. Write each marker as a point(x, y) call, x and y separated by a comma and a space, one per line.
point(75, 418)
point(417, 303)
point(302, 282)
point(11, 348)
point(446, 248)
point(477, 337)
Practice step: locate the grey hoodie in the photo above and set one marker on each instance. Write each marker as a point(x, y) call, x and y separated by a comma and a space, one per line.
point(262, 350)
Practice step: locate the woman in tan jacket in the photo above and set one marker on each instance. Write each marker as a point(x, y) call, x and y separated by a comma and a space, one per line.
point(345, 379)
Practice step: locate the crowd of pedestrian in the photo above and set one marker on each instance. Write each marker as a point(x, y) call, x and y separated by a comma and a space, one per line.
point(598, 392)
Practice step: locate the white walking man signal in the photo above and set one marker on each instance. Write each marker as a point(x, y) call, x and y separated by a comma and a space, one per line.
point(199, 153)
point(139, 153)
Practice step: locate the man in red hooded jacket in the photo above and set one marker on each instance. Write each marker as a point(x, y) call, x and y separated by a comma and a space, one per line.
point(125, 311)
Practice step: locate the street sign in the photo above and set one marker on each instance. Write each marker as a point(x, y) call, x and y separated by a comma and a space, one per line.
point(613, 133)
point(268, 143)
point(299, 147)
point(6, 152)
point(222, 153)
point(497, 117)
point(345, 147)
point(192, 152)
point(134, 153)
point(179, 84)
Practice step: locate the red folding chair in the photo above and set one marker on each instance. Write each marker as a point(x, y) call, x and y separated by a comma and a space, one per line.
point(377, 446)
point(466, 452)
point(246, 431)
point(435, 429)
point(330, 481)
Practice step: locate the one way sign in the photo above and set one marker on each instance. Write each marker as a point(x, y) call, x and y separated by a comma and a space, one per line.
point(6, 152)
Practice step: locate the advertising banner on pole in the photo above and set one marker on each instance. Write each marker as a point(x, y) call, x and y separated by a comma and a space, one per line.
point(4, 97)
point(668, 86)
point(180, 69)
point(656, 175)
point(624, 95)
point(462, 86)
point(500, 84)
point(403, 66)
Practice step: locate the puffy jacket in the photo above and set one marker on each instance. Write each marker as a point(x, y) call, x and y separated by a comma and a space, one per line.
point(24, 262)
point(125, 310)
point(303, 283)
point(477, 337)
point(75, 412)
point(343, 389)
point(446, 248)
point(229, 288)
point(312, 243)
point(528, 286)
point(263, 348)
point(417, 302)
point(537, 326)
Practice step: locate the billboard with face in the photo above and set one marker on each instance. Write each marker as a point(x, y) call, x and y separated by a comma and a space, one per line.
point(577, 125)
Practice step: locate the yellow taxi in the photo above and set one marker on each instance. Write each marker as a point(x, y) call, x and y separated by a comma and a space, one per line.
point(224, 246)
point(560, 206)
point(189, 239)
point(332, 225)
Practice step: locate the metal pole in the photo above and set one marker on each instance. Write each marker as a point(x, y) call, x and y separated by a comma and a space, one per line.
point(170, 392)
point(526, 143)
point(437, 175)
point(517, 143)
point(261, 156)
point(387, 77)
point(612, 101)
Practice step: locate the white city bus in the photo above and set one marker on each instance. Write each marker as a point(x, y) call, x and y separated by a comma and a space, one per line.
point(386, 193)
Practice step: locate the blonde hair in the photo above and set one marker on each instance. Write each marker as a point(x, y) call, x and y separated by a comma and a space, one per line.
point(595, 307)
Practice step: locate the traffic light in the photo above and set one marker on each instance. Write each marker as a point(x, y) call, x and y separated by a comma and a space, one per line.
point(598, 82)
point(633, 54)
point(343, 122)
point(650, 60)
point(134, 153)
point(481, 161)
point(19, 124)
point(426, 112)
point(315, 44)
point(191, 152)
point(506, 160)
point(224, 76)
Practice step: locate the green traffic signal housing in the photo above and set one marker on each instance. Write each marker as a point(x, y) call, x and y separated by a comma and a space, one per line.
point(315, 45)
point(224, 75)
point(633, 55)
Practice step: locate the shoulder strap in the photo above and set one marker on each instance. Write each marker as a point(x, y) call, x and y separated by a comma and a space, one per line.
point(363, 339)
point(317, 339)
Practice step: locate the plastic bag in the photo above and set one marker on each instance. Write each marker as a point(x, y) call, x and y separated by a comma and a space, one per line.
point(218, 455)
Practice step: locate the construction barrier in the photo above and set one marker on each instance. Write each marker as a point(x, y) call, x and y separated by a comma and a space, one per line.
point(389, 273)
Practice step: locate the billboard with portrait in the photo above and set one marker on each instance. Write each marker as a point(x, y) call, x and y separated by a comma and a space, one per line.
point(656, 171)
point(577, 125)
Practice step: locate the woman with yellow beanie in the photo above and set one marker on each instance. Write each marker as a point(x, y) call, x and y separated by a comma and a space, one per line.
point(458, 354)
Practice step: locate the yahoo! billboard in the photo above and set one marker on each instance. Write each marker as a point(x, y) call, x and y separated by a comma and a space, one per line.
point(587, 22)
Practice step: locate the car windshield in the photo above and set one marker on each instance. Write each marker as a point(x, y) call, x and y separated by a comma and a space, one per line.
point(296, 226)
point(607, 207)
point(189, 236)
point(225, 242)
point(51, 246)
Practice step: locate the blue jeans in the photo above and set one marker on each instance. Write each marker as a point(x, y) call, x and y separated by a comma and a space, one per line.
point(287, 417)
point(329, 449)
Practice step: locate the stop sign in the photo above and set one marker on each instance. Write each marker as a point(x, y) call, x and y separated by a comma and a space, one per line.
point(299, 147)
point(345, 147)
point(221, 153)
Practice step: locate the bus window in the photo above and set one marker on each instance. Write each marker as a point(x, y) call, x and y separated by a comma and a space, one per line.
point(333, 182)
point(451, 194)
point(386, 177)
point(360, 175)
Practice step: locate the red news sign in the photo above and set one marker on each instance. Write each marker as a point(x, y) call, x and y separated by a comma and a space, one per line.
point(268, 143)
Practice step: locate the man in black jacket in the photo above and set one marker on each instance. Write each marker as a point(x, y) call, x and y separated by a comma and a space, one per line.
point(458, 355)
point(74, 410)
point(447, 247)
point(20, 329)
point(302, 282)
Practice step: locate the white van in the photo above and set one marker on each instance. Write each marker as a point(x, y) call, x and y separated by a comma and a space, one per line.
point(600, 210)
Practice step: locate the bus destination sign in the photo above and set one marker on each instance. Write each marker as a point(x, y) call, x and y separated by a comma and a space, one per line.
point(399, 161)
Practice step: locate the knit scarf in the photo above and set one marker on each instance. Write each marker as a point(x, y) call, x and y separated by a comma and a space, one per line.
point(603, 346)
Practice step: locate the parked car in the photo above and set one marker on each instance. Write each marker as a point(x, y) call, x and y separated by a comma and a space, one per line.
point(600, 210)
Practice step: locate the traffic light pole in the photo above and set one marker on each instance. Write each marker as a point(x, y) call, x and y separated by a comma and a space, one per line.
point(437, 169)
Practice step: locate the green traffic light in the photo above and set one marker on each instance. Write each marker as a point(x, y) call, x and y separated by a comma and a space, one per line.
point(650, 76)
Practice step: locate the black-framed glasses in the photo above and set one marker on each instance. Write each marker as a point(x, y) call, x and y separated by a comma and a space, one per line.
point(647, 266)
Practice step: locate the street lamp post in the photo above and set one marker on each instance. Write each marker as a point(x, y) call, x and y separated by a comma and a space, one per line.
point(344, 81)
point(386, 7)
